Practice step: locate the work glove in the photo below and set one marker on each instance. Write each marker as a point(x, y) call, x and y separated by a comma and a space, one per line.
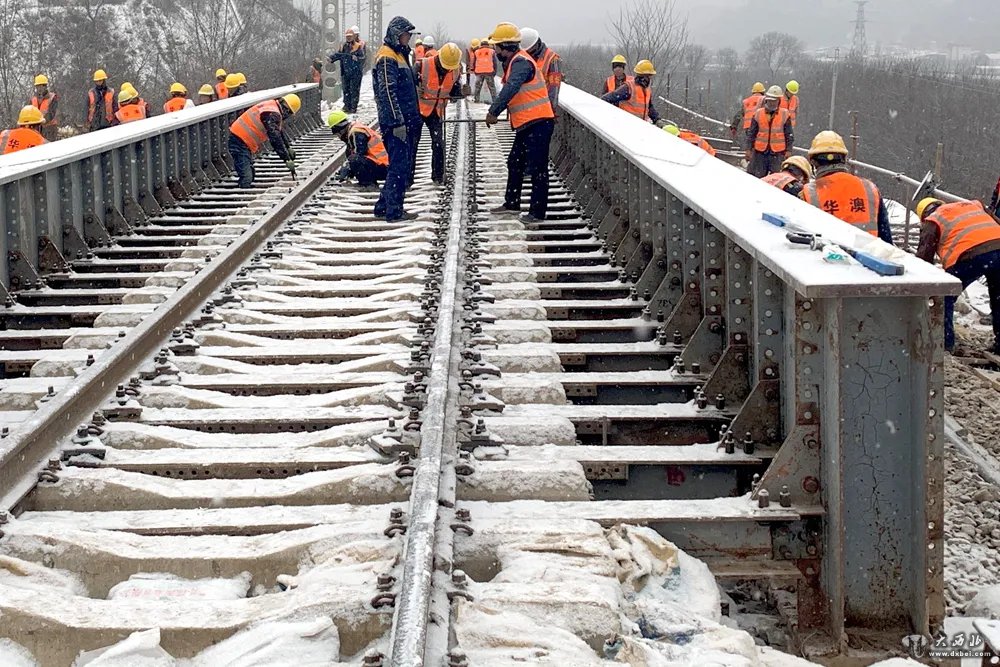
point(660, 123)
point(291, 165)
point(399, 132)
point(747, 154)
point(491, 120)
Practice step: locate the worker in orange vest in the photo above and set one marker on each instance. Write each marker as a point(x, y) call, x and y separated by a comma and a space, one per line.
point(618, 75)
point(130, 106)
point(840, 193)
point(548, 61)
point(795, 174)
point(525, 97)
point(636, 94)
point(790, 100)
point(967, 239)
point(206, 94)
point(26, 134)
point(437, 83)
point(419, 50)
point(147, 108)
point(101, 104)
point(748, 107)
point(221, 91)
point(258, 125)
point(178, 99)
point(487, 66)
point(770, 136)
point(429, 50)
point(367, 157)
point(316, 71)
point(48, 103)
point(692, 138)
point(470, 62)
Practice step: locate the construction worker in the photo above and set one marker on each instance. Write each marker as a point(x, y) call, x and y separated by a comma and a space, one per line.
point(437, 82)
point(487, 66)
point(429, 50)
point(351, 56)
point(618, 75)
point(967, 239)
point(130, 106)
point(470, 61)
point(26, 135)
point(48, 103)
point(232, 85)
point(146, 107)
point(790, 100)
point(692, 138)
point(394, 83)
point(244, 87)
point(418, 50)
point(635, 95)
point(221, 90)
point(178, 99)
point(795, 174)
point(206, 94)
point(748, 107)
point(525, 96)
point(770, 136)
point(101, 104)
point(367, 157)
point(315, 74)
point(834, 189)
point(258, 125)
point(548, 61)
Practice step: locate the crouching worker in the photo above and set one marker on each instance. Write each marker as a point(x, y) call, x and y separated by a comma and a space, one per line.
point(258, 125)
point(367, 158)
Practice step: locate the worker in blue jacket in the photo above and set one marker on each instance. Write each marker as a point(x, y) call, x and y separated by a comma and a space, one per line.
point(399, 118)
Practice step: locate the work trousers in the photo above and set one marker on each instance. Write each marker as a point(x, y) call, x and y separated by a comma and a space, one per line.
point(969, 271)
point(491, 83)
point(390, 202)
point(242, 161)
point(436, 129)
point(366, 171)
point(352, 91)
point(530, 156)
point(762, 164)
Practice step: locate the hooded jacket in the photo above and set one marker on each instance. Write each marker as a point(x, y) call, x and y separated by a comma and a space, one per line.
point(393, 81)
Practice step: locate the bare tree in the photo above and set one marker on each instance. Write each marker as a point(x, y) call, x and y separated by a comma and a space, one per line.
point(440, 34)
point(774, 51)
point(653, 30)
point(729, 60)
point(695, 59)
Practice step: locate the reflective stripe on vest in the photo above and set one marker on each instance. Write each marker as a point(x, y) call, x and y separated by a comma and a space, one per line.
point(531, 101)
point(109, 105)
point(780, 179)
point(130, 113)
point(250, 127)
point(19, 138)
point(792, 106)
point(770, 134)
point(552, 78)
point(433, 87)
point(638, 102)
point(221, 92)
point(484, 61)
point(697, 140)
point(376, 147)
point(750, 106)
point(174, 104)
point(853, 199)
point(43, 106)
point(962, 226)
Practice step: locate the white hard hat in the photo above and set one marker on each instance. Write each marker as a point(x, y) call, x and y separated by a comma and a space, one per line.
point(429, 40)
point(529, 37)
point(356, 30)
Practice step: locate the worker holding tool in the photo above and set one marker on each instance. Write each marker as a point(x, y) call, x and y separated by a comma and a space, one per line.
point(351, 56)
point(748, 107)
point(692, 138)
point(853, 199)
point(525, 96)
point(636, 94)
point(795, 174)
point(258, 125)
point(548, 62)
point(438, 82)
point(618, 76)
point(770, 136)
point(367, 158)
point(27, 134)
point(399, 116)
point(967, 239)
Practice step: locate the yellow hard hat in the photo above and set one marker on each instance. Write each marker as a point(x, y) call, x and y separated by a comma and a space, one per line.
point(926, 203)
point(619, 60)
point(100, 75)
point(337, 118)
point(505, 33)
point(206, 90)
point(475, 43)
point(450, 56)
point(774, 92)
point(800, 163)
point(242, 77)
point(178, 88)
point(827, 142)
point(220, 72)
point(30, 115)
point(293, 102)
point(670, 128)
point(41, 80)
point(127, 94)
point(233, 81)
point(644, 67)
point(792, 87)
point(757, 88)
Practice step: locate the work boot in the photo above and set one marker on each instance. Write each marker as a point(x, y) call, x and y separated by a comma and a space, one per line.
point(528, 218)
point(407, 215)
point(502, 209)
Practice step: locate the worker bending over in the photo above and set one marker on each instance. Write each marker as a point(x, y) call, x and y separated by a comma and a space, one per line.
point(636, 95)
point(770, 136)
point(26, 134)
point(258, 125)
point(367, 159)
point(795, 174)
point(438, 82)
point(692, 138)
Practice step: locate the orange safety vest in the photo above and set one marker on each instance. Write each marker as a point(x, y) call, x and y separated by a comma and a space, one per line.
point(419, 52)
point(962, 226)
point(770, 133)
point(109, 105)
point(750, 106)
point(43, 106)
point(433, 87)
point(531, 101)
point(638, 102)
point(317, 75)
point(780, 179)
point(19, 138)
point(611, 84)
point(853, 199)
point(174, 104)
point(697, 140)
point(376, 148)
point(221, 92)
point(791, 105)
point(250, 127)
point(129, 113)
point(470, 59)
point(552, 76)
point(484, 61)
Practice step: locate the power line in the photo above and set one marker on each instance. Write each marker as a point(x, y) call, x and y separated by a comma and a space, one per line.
point(860, 45)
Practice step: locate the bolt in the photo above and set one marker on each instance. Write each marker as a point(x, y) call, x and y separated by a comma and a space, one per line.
point(463, 514)
point(457, 658)
point(748, 443)
point(90, 360)
point(678, 364)
point(756, 480)
point(700, 399)
point(720, 402)
point(729, 441)
point(784, 497)
point(459, 579)
point(660, 316)
point(695, 368)
point(385, 582)
point(763, 498)
point(373, 659)
point(678, 339)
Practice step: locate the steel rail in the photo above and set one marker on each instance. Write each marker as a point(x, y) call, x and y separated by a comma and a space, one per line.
point(437, 442)
point(37, 440)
